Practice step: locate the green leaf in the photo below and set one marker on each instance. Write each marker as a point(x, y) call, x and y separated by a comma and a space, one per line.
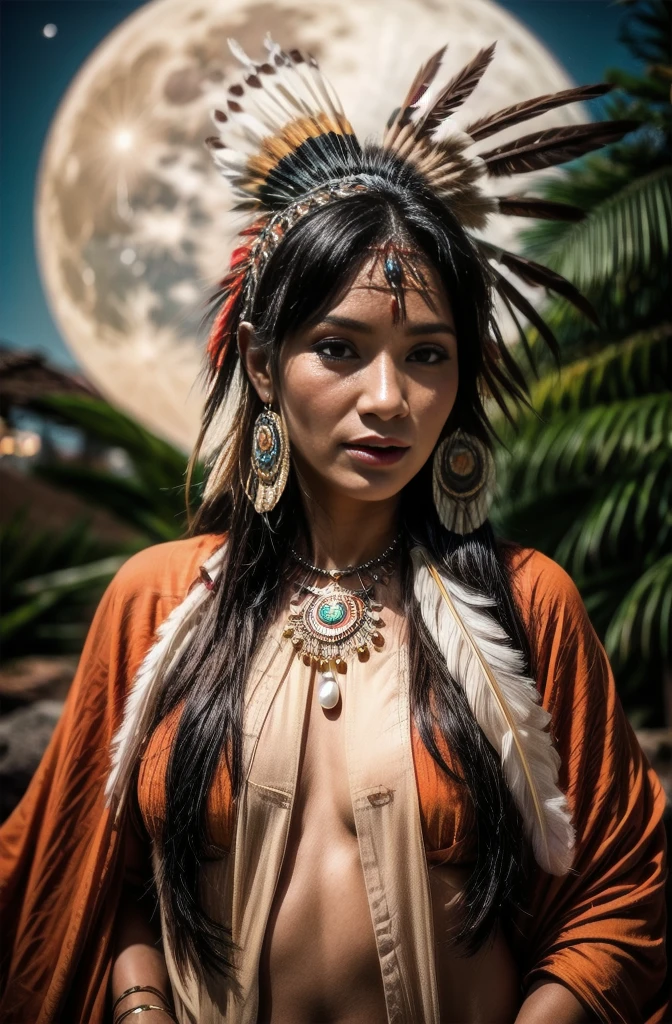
point(579, 446)
point(643, 621)
point(73, 577)
point(626, 233)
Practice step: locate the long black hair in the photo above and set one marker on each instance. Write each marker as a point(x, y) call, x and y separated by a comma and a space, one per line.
point(311, 267)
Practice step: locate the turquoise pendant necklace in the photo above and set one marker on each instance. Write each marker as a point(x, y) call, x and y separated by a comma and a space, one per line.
point(329, 624)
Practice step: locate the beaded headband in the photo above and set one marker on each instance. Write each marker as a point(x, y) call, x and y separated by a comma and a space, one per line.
point(286, 147)
point(280, 223)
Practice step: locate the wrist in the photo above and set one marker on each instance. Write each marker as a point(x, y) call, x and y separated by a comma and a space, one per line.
point(144, 1004)
point(146, 1013)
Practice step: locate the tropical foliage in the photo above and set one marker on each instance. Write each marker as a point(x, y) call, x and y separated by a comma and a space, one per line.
point(588, 477)
point(50, 582)
point(148, 494)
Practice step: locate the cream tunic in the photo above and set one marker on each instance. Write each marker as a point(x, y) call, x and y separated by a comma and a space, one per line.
point(239, 887)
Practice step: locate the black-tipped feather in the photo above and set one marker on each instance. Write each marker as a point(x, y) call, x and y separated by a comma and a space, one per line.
point(457, 91)
point(509, 291)
point(519, 112)
point(522, 337)
point(543, 209)
point(540, 276)
point(418, 88)
point(553, 146)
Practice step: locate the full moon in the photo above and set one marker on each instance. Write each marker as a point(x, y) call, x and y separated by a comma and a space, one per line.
point(134, 226)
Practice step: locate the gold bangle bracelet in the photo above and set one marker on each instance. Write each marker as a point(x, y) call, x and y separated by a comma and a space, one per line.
point(145, 1006)
point(139, 988)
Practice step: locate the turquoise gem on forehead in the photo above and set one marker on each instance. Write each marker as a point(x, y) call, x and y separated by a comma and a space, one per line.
point(332, 612)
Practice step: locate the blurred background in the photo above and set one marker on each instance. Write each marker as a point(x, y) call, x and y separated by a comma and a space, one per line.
point(116, 227)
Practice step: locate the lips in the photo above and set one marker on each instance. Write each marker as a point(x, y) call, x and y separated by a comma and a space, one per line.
point(375, 441)
point(380, 453)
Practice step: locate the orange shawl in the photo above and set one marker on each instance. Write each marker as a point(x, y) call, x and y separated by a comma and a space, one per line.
point(600, 931)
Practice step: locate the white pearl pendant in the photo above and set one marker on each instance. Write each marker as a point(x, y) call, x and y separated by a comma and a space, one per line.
point(328, 693)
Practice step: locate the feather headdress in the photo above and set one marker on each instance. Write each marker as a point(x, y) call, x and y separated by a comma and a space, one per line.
point(285, 145)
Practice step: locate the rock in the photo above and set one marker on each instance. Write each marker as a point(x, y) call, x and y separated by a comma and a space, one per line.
point(24, 737)
point(32, 678)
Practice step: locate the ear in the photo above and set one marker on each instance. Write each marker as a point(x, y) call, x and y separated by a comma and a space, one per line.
point(254, 361)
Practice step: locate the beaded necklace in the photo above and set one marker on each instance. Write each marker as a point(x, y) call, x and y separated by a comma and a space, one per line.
point(328, 624)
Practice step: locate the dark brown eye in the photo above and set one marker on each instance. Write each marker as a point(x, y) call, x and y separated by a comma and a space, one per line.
point(428, 355)
point(334, 348)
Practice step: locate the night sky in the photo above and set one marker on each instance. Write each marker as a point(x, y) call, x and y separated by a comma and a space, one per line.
point(35, 72)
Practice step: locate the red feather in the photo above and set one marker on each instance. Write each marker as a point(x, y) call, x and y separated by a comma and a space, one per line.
point(223, 326)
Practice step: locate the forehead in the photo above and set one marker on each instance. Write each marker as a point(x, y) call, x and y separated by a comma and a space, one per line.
point(369, 295)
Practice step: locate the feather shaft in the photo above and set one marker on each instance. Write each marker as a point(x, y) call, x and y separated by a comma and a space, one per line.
point(457, 91)
point(496, 692)
point(504, 701)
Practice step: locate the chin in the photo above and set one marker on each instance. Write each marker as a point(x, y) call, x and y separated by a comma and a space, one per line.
point(372, 488)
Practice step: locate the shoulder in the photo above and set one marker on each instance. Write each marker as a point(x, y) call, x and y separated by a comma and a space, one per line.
point(142, 594)
point(165, 570)
point(568, 659)
point(541, 586)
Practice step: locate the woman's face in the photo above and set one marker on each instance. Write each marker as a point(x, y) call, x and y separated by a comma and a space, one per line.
point(365, 399)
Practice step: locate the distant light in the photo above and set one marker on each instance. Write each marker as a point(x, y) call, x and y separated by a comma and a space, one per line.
point(49, 31)
point(23, 444)
point(127, 256)
point(138, 268)
point(89, 276)
point(119, 461)
point(123, 140)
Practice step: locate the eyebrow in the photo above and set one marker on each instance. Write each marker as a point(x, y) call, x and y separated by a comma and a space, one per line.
point(416, 330)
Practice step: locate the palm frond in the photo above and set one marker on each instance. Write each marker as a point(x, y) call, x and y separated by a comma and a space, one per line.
point(629, 232)
point(589, 442)
point(643, 621)
point(622, 519)
point(151, 498)
point(637, 365)
point(54, 614)
point(154, 459)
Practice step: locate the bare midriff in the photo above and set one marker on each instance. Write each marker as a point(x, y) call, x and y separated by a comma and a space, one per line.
point(319, 961)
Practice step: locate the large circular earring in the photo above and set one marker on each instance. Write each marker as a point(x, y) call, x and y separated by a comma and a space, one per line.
point(269, 461)
point(463, 477)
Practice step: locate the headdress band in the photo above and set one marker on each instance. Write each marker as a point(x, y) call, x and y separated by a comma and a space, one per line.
point(282, 221)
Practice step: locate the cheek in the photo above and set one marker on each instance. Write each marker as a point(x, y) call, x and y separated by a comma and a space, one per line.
point(313, 403)
point(431, 408)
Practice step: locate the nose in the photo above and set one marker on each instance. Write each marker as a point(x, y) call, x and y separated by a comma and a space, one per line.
point(383, 392)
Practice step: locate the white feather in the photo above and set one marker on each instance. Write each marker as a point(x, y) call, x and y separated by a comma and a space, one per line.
point(288, 82)
point(448, 129)
point(251, 127)
point(173, 635)
point(231, 159)
point(506, 705)
point(239, 53)
point(424, 105)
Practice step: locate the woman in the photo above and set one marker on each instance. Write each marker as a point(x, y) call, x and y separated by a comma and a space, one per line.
point(368, 761)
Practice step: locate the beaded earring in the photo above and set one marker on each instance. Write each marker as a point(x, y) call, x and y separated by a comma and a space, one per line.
point(269, 460)
point(463, 476)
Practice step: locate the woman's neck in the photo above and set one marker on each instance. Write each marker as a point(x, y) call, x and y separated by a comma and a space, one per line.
point(348, 532)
